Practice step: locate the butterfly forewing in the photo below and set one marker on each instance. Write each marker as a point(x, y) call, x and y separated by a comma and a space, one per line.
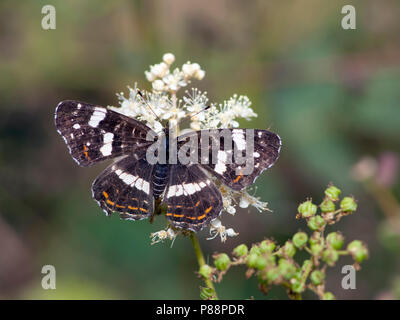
point(265, 152)
point(94, 133)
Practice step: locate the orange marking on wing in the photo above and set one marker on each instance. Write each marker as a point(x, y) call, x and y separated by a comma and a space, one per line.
point(110, 202)
point(197, 203)
point(201, 217)
point(132, 208)
point(142, 209)
point(175, 215)
point(105, 194)
point(237, 178)
point(85, 149)
point(118, 206)
point(208, 210)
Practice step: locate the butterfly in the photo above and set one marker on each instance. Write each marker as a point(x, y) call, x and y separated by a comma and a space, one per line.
point(131, 185)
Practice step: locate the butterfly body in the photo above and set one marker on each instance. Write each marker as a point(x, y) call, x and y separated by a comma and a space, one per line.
point(131, 184)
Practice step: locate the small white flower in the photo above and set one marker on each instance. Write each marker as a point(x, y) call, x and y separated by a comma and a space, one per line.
point(217, 228)
point(190, 69)
point(175, 80)
point(244, 203)
point(231, 210)
point(162, 235)
point(158, 85)
point(168, 58)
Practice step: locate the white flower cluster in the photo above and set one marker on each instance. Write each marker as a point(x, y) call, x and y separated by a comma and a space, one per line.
point(161, 105)
point(163, 79)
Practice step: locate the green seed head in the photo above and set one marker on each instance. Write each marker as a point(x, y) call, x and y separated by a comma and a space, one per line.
point(348, 204)
point(222, 261)
point(327, 206)
point(358, 250)
point(240, 251)
point(272, 274)
point(335, 240)
point(316, 238)
point(330, 256)
point(307, 209)
point(316, 249)
point(260, 263)
point(298, 286)
point(317, 277)
point(332, 193)
point(267, 246)
point(328, 296)
point(286, 268)
point(255, 250)
point(206, 293)
point(289, 249)
point(316, 223)
point(205, 271)
point(251, 260)
point(300, 239)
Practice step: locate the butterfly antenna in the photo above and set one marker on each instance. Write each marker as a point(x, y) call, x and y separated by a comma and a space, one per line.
point(202, 110)
point(147, 103)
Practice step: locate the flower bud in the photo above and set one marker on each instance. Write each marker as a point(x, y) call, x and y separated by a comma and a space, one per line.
point(348, 204)
point(199, 75)
point(300, 239)
point(316, 223)
point(307, 209)
point(240, 250)
point(222, 261)
point(335, 240)
point(205, 271)
point(327, 206)
point(150, 76)
point(358, 250)
point(168, 58)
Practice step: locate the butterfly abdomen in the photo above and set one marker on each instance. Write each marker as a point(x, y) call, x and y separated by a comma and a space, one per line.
point(160, 179)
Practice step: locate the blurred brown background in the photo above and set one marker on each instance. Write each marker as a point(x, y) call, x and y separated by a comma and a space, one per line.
point(332, 95)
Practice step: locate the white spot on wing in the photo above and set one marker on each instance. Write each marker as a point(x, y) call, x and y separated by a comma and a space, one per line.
point(98, 115)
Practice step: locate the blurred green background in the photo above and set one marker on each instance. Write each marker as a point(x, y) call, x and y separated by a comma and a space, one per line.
point(332, 94)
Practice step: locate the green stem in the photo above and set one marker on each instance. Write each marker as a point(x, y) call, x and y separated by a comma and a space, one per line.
point(201, 261)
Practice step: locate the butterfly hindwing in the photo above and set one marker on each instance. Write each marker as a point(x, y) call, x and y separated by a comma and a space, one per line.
point(223, 165)
point(191, 197)
point(125, 187)
point(94, 133)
